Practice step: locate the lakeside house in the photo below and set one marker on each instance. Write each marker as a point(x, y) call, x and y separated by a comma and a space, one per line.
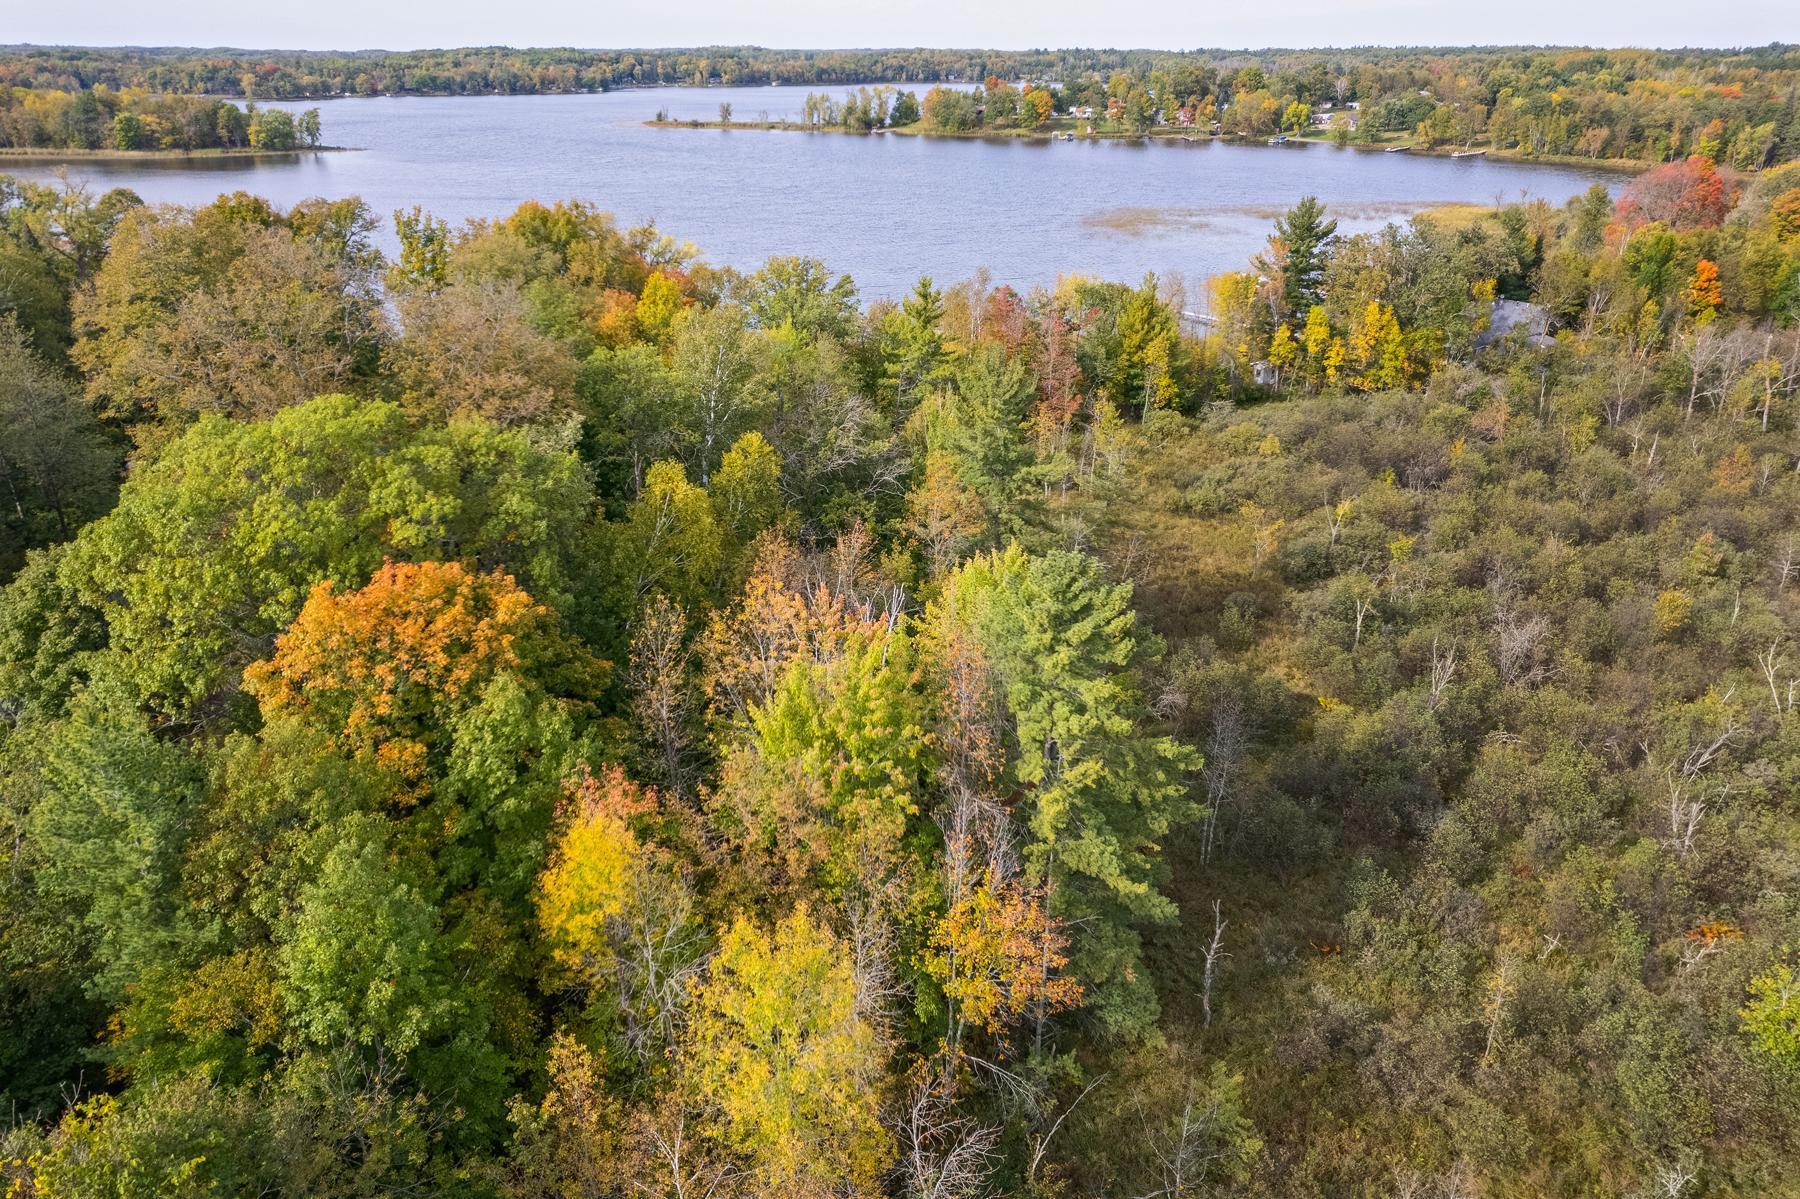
point(1506, 317)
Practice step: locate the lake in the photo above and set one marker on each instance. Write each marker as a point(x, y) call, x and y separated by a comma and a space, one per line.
point(886, 208)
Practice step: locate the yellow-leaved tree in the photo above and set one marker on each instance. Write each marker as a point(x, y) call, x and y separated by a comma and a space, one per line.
point(998, 954)
point(592, 878)
point(787, 1065)
point(616, 913)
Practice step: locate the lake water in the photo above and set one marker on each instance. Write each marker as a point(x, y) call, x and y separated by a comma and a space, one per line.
point(886, 209)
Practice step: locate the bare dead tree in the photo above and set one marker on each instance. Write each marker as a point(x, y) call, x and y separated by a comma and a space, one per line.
point(944, 1155)
point(1365, 607)
point(1459, 1182)
point(1702, 944)
point(1224, 757)
point(662, 700)
point(1599, 300)
point(1715, 360)
point(1040, 1144)
point(1671, 1180)
point(1128, 559)
point(1770, 661)
point(1336, 517)
point(1788, 565)
point(1703, 756)
point(1500, 988)
point(1170, 702)
point(1518, 638)
point(979, 839)
point(1627, 388)
point(357, 1082)
point(1018, 1096)
point(1777, 376)
point(1215, 952)
point(1443, 669)
point(690, 1174)
point(1186, 1155)
point(1455, 1183)
point(1689, 795)
point(656, 951)
point(1685, 813)
point(1408, 1184)
point(872, 927)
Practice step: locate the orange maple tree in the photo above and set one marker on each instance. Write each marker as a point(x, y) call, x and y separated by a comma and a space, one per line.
point(380, 667)
point(1704, 293)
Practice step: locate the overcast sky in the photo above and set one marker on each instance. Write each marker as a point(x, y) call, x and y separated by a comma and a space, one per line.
point(1003, 24)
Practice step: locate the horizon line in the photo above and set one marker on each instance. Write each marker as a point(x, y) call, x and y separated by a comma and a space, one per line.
point(20, 47)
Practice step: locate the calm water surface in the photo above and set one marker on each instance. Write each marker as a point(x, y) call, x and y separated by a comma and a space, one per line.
point(886, 209)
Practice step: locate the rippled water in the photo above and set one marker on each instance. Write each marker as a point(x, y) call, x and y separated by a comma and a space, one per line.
point(886, 208)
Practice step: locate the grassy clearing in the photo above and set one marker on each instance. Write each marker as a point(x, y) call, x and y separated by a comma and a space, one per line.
point(1456, 217)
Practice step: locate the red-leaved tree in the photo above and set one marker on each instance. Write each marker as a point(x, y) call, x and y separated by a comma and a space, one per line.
point(1683, 195)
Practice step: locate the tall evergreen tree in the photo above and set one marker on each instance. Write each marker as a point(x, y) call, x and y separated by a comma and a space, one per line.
point(1297, 251)
point(1094, 790)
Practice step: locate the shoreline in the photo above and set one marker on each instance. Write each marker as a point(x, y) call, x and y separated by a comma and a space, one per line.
point(1624, 166)
point(47, 154)
point(1053, 134)
point(1628, 166)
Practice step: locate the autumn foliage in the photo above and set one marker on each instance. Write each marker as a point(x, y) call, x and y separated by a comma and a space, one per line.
point(1683, 195)
point(1704, 293)
point(998, 953)
point(383, 665)
point(1327, 745)
point(594, 869)
point(785, 1058)
point(781, 617)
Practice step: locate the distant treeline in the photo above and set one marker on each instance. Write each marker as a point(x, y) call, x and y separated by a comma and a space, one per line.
point(99, 118)
point(501, 70)
point(1737, 106)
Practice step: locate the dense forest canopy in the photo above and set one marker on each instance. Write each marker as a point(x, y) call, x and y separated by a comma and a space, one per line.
point(543, 716)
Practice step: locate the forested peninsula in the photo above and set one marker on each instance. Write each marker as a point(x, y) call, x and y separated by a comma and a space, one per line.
point(101, 120)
